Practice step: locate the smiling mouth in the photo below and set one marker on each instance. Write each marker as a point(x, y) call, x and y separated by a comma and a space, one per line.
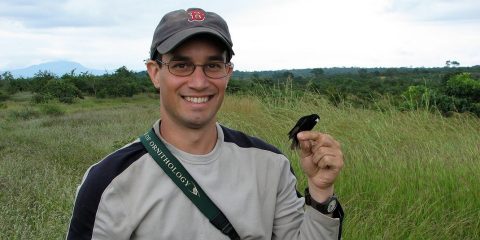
point(197, 99)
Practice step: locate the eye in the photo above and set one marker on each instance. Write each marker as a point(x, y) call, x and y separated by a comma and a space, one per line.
point(215, 65)
point(180, 65)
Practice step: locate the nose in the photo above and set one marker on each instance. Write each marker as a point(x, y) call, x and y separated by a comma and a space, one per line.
point(198, 80)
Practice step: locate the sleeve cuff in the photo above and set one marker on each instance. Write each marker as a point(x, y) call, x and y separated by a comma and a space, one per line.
point(334, 222)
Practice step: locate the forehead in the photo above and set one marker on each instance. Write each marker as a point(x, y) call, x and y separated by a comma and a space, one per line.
point(200, 46)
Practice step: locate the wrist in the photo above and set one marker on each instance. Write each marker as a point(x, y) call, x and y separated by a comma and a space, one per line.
point(320, 194)
point(326, 207)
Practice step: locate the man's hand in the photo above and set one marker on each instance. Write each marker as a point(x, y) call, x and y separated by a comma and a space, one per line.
point(321, 161)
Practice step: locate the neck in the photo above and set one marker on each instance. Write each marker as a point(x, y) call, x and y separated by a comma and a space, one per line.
point(194, 141)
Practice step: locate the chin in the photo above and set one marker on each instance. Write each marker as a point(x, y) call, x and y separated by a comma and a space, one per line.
point(198, 123)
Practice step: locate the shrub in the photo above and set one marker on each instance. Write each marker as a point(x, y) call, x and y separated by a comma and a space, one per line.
point(41, 98)
point(24, 113)
point(85, 81)
point(52, 110)
point(417, 97)
point(40, 80)
point(3, 96)
point(123, 83)
point(65, 92)
point(464, 86)
point(444, 103)
point(116, 87)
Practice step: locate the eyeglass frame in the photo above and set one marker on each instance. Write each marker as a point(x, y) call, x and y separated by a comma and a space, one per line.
point(160, 62)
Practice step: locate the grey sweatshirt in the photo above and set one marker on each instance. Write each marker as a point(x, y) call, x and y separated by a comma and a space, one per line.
point(128, 196)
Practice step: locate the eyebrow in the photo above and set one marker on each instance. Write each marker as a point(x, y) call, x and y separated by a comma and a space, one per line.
point(185, 58)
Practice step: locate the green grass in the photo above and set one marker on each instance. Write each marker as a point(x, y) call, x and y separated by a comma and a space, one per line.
point(407, 175)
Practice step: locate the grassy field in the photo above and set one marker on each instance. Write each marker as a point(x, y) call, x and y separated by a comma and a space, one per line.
point(407, 175)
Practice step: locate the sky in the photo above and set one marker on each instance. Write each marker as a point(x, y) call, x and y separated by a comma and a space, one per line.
point(266, 34)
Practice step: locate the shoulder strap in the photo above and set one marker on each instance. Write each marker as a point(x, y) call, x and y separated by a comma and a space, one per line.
point(180, 176)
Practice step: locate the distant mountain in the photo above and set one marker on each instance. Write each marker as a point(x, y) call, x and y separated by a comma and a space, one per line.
point(57, 67)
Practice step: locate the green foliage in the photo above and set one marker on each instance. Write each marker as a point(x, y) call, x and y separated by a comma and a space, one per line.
point(12, 85)
point(237, 86)
point(257, 81)
point(445, 104)
point(85, 81)
point(417, 97)
point(317, 72)
point(6, 76)
point(3, 96)
point(450, 63)
point(451, 89)
point(123, 83)
point(113, 87)
point(24, 113)
point(460, 92)
point(17, 85)
point(464, 86)
point(363, 73)
point(40, 79)
point(52, 110)
point(53, 88)
point(63, 91)
point(41, 98)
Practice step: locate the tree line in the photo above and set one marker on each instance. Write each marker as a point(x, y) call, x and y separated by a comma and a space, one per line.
point(46, 86)
point(448, 90)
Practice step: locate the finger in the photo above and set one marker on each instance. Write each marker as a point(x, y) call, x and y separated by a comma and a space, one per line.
point(330, 162)
point(325, 167)
point(308, 135)
point(326, 140)
point(319, 153)
point(328, 157)
point(304, 144)
point(320, 148)
point(305, 148)
point(322, 139)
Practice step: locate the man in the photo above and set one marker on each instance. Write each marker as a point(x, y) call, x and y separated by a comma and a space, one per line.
point(128, 195)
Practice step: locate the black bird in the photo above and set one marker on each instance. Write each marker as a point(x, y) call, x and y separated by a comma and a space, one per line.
point(305, 123)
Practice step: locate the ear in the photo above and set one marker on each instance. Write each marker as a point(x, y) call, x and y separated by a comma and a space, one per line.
point(153, 70)
point(229, 75)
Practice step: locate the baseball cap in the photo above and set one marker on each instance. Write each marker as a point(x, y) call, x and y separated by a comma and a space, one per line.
point(177, 26)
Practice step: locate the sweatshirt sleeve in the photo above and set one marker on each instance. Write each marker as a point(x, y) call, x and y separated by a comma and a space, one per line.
point(293, 220)
point(98, 212)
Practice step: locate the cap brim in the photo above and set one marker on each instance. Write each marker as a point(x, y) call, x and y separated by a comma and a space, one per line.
point(179, 37)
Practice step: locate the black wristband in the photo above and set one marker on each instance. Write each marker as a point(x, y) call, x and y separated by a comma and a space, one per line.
point(327, 207)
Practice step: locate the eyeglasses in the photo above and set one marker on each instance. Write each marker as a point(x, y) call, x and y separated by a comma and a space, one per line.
point(215, 69)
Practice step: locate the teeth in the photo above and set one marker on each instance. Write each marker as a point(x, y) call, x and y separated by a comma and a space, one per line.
point(197, 99)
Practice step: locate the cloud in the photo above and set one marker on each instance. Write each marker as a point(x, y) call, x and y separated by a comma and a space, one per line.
point(267, 34)
point(437, 10)
point(313, 34)
point(49, 14)
point(75, 13)
point(93, 13)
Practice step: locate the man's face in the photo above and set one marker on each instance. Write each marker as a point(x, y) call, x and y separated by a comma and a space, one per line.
point(194, 100)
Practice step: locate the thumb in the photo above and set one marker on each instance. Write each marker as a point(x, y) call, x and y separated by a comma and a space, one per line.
point(305, 147)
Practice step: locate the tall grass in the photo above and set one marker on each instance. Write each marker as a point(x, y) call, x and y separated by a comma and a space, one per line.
point(407, 175)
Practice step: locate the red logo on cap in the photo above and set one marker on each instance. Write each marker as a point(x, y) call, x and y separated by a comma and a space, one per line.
point(196, 15)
